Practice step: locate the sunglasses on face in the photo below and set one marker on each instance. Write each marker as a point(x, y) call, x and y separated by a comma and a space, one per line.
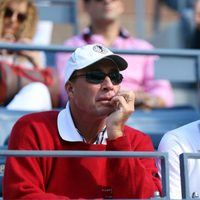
point(96, 77)
point(97, 0)
point(101, 0)
point(9, 13)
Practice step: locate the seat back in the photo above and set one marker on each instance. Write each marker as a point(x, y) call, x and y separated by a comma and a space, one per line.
point(183, 75)
point(59, 11)
point(57, 15)
point(158, 121)
point(7, 120)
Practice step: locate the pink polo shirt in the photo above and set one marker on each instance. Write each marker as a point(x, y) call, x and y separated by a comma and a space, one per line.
point(140, 72)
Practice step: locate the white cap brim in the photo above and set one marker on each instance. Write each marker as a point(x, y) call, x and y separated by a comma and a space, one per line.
point(87, 55)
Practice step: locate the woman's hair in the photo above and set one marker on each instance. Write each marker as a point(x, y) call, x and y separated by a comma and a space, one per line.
point(28, 27)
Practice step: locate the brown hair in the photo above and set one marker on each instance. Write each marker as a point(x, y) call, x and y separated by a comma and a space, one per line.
point(28, 27)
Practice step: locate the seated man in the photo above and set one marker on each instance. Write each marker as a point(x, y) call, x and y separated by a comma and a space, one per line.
point(94, 119)
point(185, 139)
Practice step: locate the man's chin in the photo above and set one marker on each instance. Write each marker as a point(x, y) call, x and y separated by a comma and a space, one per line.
point(107, 111)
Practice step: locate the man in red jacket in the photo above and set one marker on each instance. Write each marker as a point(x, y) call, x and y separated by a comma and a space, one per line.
point(94, 119)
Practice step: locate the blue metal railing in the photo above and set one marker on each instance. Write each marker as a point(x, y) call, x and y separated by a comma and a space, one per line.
point(61, 48)
point(109, 154)
point(184, 157)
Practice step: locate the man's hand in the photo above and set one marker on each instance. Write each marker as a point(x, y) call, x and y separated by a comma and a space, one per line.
point(123, 102)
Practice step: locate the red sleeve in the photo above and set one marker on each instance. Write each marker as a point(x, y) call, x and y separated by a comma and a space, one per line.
point(132, 177)
point(24, 177)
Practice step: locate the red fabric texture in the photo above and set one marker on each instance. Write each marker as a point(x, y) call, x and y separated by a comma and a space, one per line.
point(76, 178)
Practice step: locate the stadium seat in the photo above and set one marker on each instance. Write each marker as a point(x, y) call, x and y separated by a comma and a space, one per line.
point(7, 120)
point(154, 122)
point(182, 73)
point(158, 121)
point(64, 13)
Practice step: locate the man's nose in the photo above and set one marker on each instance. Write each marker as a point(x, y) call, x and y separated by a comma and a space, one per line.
point(108, 1)
point(107, 84)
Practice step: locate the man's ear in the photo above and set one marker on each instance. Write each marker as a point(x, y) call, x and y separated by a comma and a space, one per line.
point(69, 88)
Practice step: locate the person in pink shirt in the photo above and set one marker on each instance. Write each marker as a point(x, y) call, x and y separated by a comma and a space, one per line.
point(105, 28)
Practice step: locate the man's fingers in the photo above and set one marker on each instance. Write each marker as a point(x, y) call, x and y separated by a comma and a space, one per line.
point(128, 95)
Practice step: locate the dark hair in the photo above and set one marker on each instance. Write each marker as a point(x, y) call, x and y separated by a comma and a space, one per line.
point(86, 1)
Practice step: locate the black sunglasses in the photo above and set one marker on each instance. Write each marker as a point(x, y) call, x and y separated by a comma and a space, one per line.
point(20, 17)
point(99, 0)
point(96, 77)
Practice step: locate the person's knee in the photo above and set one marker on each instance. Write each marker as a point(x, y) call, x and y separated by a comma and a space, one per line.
point(41, 94)
point(38, 88)
point(34, 96)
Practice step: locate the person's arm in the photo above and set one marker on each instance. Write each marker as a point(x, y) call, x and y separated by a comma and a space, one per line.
point(132, 177)
point(170, 144)
point(35, 57)
point(147, 101)
point(129, 178)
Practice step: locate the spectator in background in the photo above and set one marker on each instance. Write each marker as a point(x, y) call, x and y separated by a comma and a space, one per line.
point(190, 26)
point(196, 32)
point(94, 119)
point(18, 22)
point(185, 139)
point(105, 28)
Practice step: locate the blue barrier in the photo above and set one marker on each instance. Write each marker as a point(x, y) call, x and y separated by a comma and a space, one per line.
point(109, 154)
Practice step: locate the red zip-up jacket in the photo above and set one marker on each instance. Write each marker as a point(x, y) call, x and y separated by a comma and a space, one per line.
point(74, 178)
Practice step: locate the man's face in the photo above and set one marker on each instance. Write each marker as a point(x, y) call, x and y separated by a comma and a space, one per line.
point(93, 99)
point(104, 10)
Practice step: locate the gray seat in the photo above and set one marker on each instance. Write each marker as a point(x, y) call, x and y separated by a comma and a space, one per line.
point(155, 122)
point(59, 11)
point(182, 73)
point(62, 12)
point(7, 120)
point(158, 121)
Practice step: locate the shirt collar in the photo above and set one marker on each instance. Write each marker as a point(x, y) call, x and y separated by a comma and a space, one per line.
point(67, 129)
point(87, 33)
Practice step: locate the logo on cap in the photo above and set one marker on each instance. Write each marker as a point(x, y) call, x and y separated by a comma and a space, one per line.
point(100, 49)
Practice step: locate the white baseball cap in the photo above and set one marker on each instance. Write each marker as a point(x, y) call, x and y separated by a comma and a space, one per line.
point(87, 55)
